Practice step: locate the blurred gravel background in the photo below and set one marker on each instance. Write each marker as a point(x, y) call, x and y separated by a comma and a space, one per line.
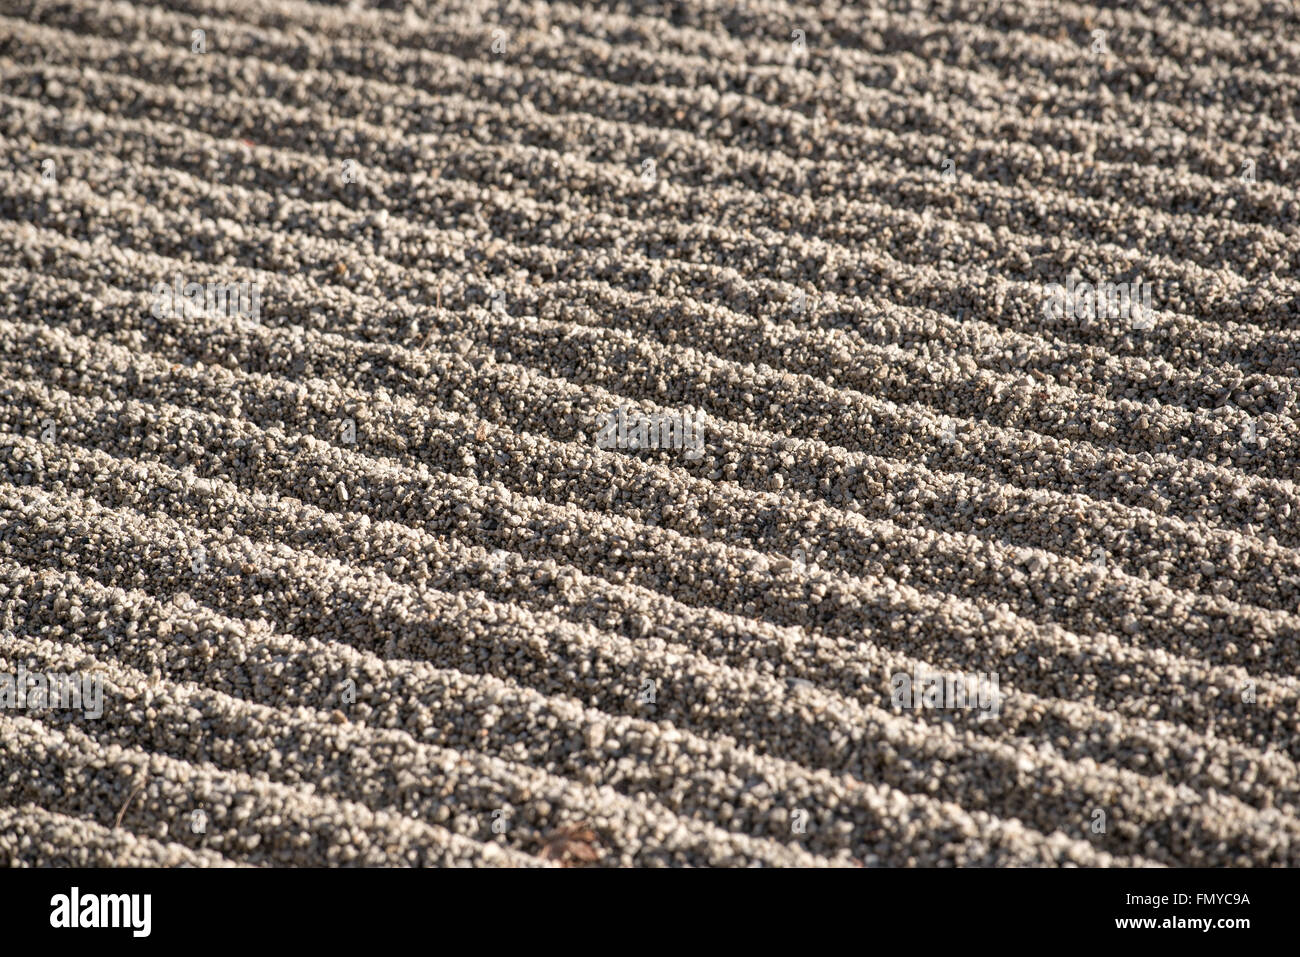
point(362, 589)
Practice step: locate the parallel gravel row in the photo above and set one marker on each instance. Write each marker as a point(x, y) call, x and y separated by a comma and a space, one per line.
point(356, 580)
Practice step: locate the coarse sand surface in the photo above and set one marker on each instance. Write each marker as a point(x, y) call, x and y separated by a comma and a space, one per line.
point(353, 581)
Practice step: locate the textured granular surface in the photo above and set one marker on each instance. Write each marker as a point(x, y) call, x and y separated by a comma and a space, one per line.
point(356, 580)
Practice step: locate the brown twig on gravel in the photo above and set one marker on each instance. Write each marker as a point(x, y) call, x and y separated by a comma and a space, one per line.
point(126, 804)
point(571, 845)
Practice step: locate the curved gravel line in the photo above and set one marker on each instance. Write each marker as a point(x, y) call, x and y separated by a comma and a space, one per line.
point(354, 573)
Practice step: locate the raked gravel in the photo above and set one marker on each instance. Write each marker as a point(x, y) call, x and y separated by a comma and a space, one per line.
point(360, 586)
